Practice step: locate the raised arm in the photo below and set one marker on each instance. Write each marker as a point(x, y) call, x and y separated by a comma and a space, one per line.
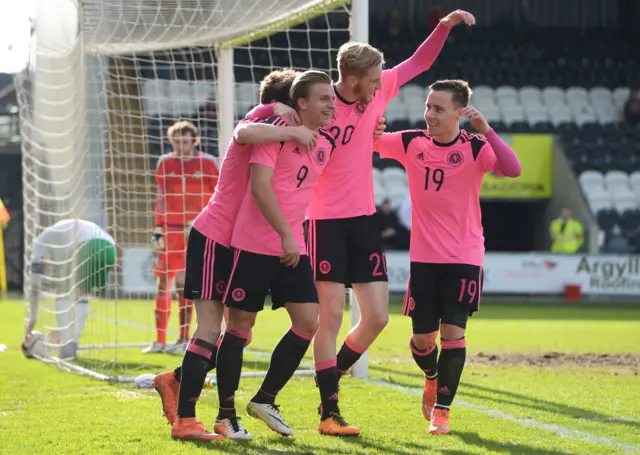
point(263, 162)
point(507, 162)
point(426, 54)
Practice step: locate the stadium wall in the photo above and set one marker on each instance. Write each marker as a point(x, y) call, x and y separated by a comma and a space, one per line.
point(567, 193)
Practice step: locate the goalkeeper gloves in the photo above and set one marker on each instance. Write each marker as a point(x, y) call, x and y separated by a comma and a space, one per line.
point(157, 241)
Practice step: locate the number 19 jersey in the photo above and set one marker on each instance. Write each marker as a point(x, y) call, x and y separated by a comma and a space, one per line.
point(345, 190)
point(444, 184)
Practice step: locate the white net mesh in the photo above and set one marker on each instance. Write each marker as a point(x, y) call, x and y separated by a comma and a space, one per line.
point(95, 107)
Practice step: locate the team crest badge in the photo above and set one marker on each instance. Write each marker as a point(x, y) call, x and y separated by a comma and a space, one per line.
point(321, 155)
point(360, 108)
point(455, 158)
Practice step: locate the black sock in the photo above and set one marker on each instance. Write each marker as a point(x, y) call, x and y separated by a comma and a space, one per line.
point(327, 380)
point(346, 357)
point(285, 359)
point(229, 369)
point(193, 372)
point(426, 360)
point(450, 365)
point(212, 365)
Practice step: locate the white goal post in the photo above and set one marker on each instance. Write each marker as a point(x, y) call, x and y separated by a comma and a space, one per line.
point(104, 81)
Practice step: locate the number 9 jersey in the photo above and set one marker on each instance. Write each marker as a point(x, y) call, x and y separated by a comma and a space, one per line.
point(295, 173)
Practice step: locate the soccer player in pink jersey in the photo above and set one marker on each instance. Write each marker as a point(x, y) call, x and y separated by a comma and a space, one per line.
point(270, 255)
point(209, 256)
point(445, 167)
point(345, 244)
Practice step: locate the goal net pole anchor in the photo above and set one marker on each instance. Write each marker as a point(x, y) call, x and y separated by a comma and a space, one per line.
point(360, 33)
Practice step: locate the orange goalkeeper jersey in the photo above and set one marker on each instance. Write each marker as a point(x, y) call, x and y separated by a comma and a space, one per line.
point(183, 187)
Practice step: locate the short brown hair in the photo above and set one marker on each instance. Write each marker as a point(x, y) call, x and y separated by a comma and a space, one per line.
point(182, 128)
point(459, 89)
point(275, 86)
point(303, 82)
point(356, 59)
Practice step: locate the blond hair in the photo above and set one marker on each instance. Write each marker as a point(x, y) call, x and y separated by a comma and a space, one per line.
point(181, 128)
point(356, 59)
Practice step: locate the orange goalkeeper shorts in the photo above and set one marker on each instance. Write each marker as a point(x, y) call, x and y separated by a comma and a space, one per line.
point(171, 260)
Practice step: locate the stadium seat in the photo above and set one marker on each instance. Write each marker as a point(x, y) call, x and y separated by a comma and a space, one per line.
point(530, 95)
point(394, 180)
point(182, 102)
point(413, 93)
point(577, 97)
point(634, 181)
point(376, 176)
point(246, 96)
point(625, 201)
point(396, 110)
point(600, 95)
point(591, 179)
point(482, 93)
point(615, 180)
point(553, 96)
point(559, 114)
point(203, 91)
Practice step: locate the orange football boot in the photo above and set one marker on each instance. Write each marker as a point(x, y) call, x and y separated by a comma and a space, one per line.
point(335, 425)
point(169, 388)
point(439, 421)
point(189, 429)
point(429, 396)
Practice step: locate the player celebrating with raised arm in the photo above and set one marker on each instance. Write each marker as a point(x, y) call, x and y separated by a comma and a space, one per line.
point(445, 167)
point(271, 256)
point(343, 231)
point(209, 256)
point(185, 179)
point(77, 257)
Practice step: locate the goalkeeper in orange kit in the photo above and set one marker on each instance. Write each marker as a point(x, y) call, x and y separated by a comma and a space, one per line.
point(185, 178)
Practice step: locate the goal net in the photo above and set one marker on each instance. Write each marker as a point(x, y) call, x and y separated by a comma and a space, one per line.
point(104, 82)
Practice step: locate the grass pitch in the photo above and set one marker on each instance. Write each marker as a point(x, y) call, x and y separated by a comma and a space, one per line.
point(540, 378)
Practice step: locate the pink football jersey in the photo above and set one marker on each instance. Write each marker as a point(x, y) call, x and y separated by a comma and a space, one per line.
point(345, 189)
point(295, 174)
point(217, 219)
point(444, 184)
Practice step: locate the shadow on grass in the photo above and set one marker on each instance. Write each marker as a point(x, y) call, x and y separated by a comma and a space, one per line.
point(474, 439)
point(491, 394)
point(266, 447)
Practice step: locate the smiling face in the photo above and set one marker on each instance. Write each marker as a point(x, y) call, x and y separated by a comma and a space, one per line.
point(319, 105)
point(444, 106)
point(360, 67)
point(442, 114)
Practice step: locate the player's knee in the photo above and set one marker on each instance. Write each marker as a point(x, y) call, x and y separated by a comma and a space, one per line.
point(423, 341)
point(449, 332)
point(378, 322)
point(331, 320)
point(242, 320)
point(306, 328)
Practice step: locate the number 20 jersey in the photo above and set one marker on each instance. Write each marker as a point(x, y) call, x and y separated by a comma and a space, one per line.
point(444, 184)
point(295, 173)
point(345, 190)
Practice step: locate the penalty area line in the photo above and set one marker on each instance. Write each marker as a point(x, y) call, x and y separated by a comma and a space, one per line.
point(563, 432)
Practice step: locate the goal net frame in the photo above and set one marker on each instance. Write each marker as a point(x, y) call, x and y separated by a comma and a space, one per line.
point(224, 49)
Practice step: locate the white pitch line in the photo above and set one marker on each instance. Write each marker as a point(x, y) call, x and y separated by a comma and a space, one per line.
point(563, 432)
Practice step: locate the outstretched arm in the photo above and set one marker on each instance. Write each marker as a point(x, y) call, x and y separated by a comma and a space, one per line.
point(426, 54)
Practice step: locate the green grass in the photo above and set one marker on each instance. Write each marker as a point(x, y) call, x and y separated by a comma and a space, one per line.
point(44, 410)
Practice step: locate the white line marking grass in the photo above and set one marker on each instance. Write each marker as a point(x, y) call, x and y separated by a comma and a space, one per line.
point(563, 432)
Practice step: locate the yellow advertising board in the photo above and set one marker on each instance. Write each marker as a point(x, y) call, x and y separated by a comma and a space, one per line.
point(535, 152)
